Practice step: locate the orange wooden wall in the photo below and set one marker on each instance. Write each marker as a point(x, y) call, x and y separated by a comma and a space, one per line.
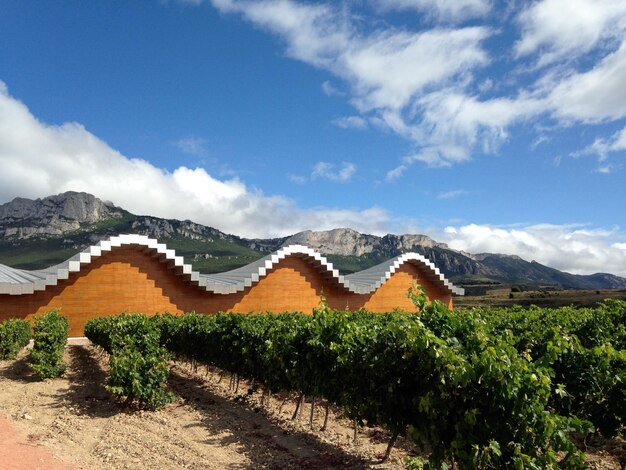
point(130, 280)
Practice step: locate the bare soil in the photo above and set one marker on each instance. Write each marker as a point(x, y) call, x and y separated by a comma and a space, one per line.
point(75, 423)
point(209, 426)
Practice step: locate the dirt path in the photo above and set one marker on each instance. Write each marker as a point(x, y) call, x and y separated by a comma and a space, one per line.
point(17, 451)
point(73, 422)
point(208, 427)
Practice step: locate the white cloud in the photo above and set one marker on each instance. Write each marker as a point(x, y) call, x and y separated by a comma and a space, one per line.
point(570, 248)
point(619, 142)
point(454, 10)
point(350, 122)
point(453, 122)
point(425, 85)
point(434, 157)
point(38, 160)
point(385, 67)
point(595, 95)
point(604, 169)
point(195, 146)
point(330, 90)
point(563, 29)
point(603, 147)
point(454, 193)
point(331, 172)
point(299, 179)
point(396, 77)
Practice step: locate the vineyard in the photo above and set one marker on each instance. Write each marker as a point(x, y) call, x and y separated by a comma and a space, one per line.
point(481, 388)
point(488, 388)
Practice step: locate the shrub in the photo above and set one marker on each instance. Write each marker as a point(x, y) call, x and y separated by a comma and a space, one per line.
point(14, 335)
point(138, 363)
point(50, 334)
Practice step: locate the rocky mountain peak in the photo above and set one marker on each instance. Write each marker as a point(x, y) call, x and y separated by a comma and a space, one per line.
point(340, 241)
point(348, 242)
point(53, 215)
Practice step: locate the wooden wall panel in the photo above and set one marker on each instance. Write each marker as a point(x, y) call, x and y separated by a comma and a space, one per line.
point(131, 280)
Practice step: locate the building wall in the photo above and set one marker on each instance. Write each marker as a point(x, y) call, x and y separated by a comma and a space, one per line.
point(130, 280)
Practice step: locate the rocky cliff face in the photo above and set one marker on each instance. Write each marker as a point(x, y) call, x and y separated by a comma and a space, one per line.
point(341, 241)
point(165, 228)
point(348, 242)
point(69, 212)
point(54, 215)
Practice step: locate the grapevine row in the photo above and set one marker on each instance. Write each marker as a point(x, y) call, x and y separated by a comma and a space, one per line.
point(464, 385)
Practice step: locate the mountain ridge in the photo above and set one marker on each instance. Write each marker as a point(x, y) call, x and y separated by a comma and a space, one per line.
point(40, 232)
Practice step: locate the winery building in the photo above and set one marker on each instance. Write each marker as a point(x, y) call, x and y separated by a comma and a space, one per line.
point(134, 273)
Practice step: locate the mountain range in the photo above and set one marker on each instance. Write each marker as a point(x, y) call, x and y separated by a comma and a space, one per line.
point(38, 233)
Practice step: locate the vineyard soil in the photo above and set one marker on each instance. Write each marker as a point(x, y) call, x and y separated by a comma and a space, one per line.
point(208, 427)
point(75, 418)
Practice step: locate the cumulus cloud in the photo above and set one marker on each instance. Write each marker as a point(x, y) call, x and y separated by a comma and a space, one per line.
point(571, 248)
point(39, 159)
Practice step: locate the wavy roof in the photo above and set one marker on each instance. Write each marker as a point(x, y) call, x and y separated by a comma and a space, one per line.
point(19, 281)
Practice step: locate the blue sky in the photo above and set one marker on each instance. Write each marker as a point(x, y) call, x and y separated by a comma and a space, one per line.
point(492, 126)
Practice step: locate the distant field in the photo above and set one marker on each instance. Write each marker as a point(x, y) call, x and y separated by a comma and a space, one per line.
point(503, 297)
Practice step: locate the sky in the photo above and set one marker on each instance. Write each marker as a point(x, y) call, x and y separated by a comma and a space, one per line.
point(493, 126)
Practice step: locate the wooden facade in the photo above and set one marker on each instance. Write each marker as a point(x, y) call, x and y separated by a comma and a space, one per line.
point(130, 279)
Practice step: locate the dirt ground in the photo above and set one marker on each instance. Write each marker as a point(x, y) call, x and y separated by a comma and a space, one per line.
point(209, 426)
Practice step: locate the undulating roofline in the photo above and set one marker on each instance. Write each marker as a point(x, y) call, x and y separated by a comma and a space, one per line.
point(20, 282)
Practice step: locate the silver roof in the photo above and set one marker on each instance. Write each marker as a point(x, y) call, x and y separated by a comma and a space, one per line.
point(18, 281)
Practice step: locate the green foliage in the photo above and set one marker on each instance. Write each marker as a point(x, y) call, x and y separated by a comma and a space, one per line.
point(138, 363)
point(50, 335)
point(14, 335)
point(467, 396)
point(417, 294)
point(98, 331)
point(485, 388)
point(583, 350)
